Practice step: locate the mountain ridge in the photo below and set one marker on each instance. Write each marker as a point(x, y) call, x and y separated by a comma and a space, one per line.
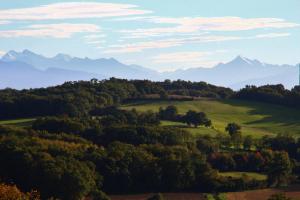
point(236, 73)
point(103, 66)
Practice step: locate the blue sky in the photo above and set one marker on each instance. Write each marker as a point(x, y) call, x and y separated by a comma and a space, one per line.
point(162, 35)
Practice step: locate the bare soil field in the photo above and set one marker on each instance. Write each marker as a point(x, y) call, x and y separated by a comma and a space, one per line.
point(167, 196)
point(292, 192)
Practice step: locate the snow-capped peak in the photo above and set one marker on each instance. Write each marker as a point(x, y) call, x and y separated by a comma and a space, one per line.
point(10, 56)
point(241, 59)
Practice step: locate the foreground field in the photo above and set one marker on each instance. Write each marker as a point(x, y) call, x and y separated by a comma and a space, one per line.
point(256, 119)
point(291, 192)
point(167, 196)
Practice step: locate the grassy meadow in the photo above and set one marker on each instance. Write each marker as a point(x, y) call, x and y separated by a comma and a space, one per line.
point(18, 122)
point(252, 175)
point(256, 119)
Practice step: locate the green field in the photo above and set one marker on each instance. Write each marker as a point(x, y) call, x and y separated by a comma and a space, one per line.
point(256, 176)
point(256, 119)
point(18, 122)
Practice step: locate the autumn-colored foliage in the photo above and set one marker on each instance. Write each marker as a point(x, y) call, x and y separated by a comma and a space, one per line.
point(11, 192)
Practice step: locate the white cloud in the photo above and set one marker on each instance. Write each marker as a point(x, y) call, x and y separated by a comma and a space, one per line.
point(63, 30)
point(198, 24)
point(138, 18)
point(273, 35)
point(2, 53)
point(228, 23)
point(188, 58)
point(181, 57)
point(95, 39)
point(72, 10)
point(94, 36)
point(192, 39)
point(96, 42)
point(140, 46)
point(4, 22)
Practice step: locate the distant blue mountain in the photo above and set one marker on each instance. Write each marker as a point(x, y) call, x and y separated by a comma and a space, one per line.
point(27, 69)
point(21, 75)
point(105, 67)
point(240, 72)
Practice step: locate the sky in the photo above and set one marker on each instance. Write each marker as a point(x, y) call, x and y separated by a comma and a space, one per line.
point(164, 35)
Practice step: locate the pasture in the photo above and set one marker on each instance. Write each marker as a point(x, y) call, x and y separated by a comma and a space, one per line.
point(257, 119)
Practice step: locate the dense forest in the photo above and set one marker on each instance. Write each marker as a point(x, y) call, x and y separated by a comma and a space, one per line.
point(82, 144)
point(276, 94)
point(79, 98)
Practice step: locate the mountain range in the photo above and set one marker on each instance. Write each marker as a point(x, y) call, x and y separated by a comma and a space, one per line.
point(26, 69)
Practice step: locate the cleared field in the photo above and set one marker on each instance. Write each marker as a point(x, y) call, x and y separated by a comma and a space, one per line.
point(256, 176)
point(256, 119)
point(167, 196)
point(18, 122)
point(291, 192)
point(263, 194)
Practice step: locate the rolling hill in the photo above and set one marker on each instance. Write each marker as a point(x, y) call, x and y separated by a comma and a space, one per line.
point(257, 119)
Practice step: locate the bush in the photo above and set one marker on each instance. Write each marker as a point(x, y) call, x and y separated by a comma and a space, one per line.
point(156, 197)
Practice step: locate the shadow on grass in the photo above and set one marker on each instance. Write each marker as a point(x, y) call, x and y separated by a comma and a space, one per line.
point(286, 116)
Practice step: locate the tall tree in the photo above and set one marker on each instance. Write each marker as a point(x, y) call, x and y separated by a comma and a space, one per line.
point(234, 131)
point(280, 169)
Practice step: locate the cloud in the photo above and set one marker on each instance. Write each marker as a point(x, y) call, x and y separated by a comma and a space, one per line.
point(273, 35)
point(63, 30)
point(138, 18)
point(94, 36)
point(140, 46)
point(198, 24)
point(189, 58)
point(72, 10)
point(181, 57)
point(96, 42)
point(192, 39)
point(95, 39)
point(2, 53)
point(4, 22)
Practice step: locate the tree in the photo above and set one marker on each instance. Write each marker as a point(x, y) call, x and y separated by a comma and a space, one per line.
point(222, 161)
point(234, 131)
point(207, 145)
point(196, 118)
point(233, 128)
point(11, 192)
point(248, 142)
point(279, 169)
point(163, 94)
point(170, 113)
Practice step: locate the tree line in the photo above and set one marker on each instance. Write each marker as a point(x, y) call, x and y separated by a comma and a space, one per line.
point(79, 98)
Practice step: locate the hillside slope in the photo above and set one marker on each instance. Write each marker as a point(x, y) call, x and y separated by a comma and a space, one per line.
point(256, 119)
